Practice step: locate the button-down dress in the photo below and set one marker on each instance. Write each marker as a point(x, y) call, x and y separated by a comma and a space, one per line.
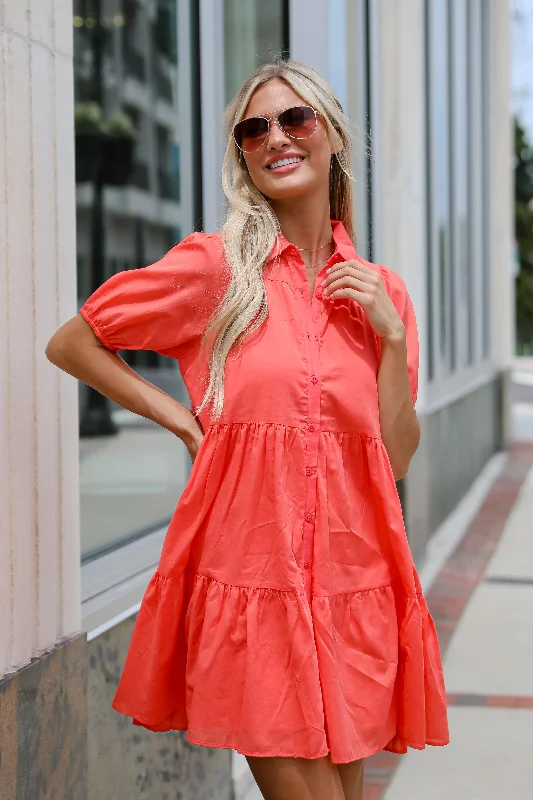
point(286, 616)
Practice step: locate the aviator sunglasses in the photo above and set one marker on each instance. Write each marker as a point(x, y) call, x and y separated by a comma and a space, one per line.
point(298, 122)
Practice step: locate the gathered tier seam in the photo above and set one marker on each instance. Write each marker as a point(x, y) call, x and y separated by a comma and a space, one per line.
point(242, 423)
point(200, 575)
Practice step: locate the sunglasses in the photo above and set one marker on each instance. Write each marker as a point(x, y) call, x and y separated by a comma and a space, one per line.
point(298, 122)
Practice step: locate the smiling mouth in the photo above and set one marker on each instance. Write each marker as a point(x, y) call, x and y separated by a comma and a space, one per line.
point(283, 162)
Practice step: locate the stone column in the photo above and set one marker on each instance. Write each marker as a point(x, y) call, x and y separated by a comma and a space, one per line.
point(42, 693)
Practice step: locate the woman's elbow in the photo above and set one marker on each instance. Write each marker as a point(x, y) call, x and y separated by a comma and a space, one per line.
point(66, 340)
point(54, 349)
point(400, 467)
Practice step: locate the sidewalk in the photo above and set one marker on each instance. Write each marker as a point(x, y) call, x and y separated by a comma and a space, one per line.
point(482, 603)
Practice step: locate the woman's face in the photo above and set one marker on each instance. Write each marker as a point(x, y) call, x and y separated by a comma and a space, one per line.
point(305, 177)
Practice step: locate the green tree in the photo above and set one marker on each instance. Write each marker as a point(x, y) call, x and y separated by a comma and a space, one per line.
point(524, 236)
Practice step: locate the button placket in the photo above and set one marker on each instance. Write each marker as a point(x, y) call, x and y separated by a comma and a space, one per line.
point(311, 315)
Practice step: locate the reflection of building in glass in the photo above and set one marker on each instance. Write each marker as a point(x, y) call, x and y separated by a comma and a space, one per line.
point(126, 60)
point(139, 75)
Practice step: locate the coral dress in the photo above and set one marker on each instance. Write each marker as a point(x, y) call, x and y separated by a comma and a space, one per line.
point(286, 616)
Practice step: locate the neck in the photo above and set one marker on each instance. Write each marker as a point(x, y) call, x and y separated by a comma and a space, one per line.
point(305, 224)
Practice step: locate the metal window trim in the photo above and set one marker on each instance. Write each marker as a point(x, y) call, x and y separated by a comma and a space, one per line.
point(112, 586)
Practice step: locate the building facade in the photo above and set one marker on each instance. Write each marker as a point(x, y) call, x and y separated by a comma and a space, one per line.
point(87, 489)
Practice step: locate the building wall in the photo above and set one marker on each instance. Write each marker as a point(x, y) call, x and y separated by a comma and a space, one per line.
point(463, 412)
point(127, 761)
point(51, 737)
point(43, 709)
point(39, 534)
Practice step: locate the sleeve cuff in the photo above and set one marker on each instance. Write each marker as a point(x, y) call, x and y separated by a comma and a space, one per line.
point(87, 316)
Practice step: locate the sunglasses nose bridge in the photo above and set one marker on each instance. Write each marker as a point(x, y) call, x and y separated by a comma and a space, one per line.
point(281, 131)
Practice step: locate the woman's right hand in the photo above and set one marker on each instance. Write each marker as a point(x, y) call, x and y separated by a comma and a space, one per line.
point(194, 444)
point(75, 349)
point(192, 436)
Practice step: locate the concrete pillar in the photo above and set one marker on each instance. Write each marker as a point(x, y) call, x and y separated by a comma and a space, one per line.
point(39, 523)
point(40, 559)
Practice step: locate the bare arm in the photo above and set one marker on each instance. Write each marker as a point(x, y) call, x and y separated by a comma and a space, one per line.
point(76, 349)
point(400, 429)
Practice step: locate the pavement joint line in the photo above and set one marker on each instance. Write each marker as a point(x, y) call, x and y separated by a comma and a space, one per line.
point(509, 580)
point(490, 700)
point(452, 587)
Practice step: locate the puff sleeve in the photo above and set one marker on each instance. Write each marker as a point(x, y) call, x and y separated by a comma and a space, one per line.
point(162, 307)
point(397, 291)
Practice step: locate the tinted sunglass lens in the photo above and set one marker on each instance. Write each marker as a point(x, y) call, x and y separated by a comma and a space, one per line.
point(251, 133)
point(299, 121)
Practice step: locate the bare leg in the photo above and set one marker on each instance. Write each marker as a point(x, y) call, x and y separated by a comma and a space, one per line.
point(297, 778)
point(351, 775)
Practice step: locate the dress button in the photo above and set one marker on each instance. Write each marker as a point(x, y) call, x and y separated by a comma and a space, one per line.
point(316, 337)
point(310, 427)
point(309, 517)
point(308, 471)
point(306, 564)
point(319, 292)
point(314, 379)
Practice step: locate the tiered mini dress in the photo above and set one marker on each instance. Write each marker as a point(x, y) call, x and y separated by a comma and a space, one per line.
point(286, 616)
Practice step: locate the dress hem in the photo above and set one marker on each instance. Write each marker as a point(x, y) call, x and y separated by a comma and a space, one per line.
point(218, 745)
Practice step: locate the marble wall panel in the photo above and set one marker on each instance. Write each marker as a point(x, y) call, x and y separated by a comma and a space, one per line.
point(43, 727)
point(128, 762)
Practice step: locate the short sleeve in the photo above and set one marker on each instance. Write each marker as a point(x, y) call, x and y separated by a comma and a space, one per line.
point(399, 295)
point(163, 307)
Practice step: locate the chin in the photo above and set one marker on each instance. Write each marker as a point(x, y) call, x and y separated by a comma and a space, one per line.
point(288, 191)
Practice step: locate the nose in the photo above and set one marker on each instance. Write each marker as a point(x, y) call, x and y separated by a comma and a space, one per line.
point(277, 136)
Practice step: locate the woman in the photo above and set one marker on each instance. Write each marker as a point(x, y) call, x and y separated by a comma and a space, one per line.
point(286, 619)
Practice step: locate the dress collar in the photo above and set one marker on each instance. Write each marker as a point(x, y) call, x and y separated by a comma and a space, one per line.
point(343, 243)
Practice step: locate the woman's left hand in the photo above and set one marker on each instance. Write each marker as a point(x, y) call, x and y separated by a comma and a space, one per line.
point(358, 282)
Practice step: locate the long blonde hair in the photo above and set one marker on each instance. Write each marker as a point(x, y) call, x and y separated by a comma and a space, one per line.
point(251, 227)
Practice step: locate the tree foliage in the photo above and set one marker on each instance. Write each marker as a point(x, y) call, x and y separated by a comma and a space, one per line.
point(524, 235)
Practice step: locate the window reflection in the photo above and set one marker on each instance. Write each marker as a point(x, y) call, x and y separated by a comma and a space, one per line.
point(255, 32)
point(439, 153)
point(126, 64)
point(457, 198)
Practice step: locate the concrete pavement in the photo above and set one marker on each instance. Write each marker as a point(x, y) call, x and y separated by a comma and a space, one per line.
point(489, 678)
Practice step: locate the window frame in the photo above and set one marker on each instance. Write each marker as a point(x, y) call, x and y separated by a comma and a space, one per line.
point(466, 360)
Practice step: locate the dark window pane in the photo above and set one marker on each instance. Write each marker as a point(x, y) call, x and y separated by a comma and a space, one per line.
point(128, 208)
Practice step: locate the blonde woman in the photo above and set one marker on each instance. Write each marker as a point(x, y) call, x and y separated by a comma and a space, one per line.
point(286, 619)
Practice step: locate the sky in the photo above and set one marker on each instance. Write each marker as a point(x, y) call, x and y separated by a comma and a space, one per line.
point(522, 62)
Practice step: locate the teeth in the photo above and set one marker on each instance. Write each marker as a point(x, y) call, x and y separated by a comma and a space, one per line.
point(283, 161)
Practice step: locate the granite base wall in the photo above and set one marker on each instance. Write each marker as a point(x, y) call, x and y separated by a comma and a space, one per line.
point(456, 443)
point(61, 740)
point(43, 727)
point(127, 762)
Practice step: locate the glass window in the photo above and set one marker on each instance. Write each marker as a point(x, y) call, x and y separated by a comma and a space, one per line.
point(483, 89)
point(439, 201)
point(480, 265)
point(458, 269)
point(255, 33)
point(461, 261)
point(129, 134)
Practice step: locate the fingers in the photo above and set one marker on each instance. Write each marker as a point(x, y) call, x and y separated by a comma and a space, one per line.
point(346, 282)
point(354, 266)
point(347, 272)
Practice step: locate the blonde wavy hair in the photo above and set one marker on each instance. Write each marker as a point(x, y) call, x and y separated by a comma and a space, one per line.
point(251, 228)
